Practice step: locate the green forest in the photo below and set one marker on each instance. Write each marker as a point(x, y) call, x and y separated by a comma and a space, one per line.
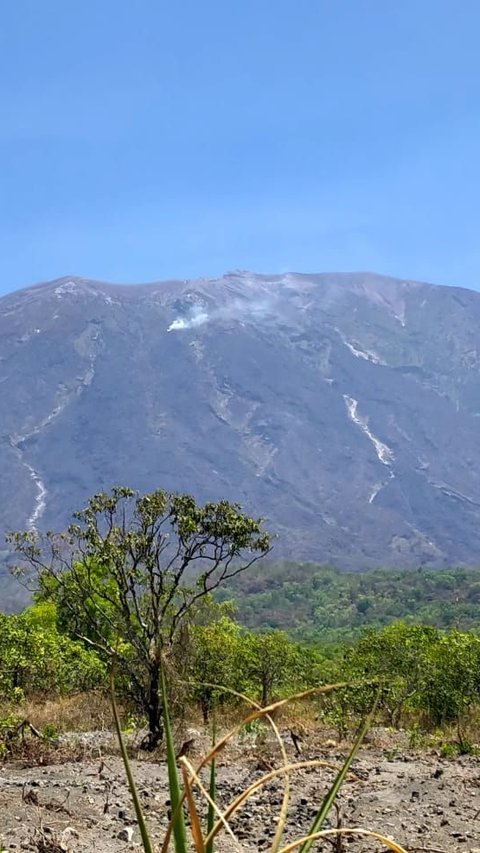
point(320, 604)
point(424, 676)
point(142, 585)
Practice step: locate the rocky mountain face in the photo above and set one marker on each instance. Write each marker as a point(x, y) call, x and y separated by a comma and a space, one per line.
point(344, 408)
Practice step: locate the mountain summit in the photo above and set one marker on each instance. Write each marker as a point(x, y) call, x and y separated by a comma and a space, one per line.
point(344, 408)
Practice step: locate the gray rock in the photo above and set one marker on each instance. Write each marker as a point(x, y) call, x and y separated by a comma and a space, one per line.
point(125, 834)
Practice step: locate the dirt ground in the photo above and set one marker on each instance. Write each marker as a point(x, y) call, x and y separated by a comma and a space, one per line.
point(426, 803)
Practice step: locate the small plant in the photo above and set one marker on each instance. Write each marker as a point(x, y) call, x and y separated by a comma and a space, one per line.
point(203, 837)
point(132, 724)
point(463, 747)
point(449, 750)
point(416, 737)
point(45, 840)
point(390, 754)
point(11, 733)
point(50, 733)
point(20, 739)
point(466, 747)
point(255, 727)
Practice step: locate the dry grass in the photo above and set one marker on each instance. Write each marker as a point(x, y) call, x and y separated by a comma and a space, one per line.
point(44, 840)
point(80, 713)
point(38, 744)
point(27, 750)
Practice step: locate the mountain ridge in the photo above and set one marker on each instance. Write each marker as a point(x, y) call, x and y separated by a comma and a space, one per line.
point(341, 406)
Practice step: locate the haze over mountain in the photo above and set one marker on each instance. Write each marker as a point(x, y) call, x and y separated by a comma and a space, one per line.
point(344, 408)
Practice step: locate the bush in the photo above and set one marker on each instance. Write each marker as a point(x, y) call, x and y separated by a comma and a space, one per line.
point(35, 659)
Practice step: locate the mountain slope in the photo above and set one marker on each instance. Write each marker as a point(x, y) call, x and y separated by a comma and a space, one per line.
point(342, 407)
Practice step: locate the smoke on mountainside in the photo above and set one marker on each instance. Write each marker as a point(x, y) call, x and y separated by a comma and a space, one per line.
point(238, 309)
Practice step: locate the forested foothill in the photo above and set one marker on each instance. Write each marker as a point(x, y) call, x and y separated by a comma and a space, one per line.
point(321, 604)
point(138, 579)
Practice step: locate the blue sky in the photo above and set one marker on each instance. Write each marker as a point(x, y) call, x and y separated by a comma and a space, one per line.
point(151, 140)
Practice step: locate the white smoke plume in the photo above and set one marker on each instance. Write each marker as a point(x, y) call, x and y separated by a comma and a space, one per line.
point(197, 317)
point(236, 310)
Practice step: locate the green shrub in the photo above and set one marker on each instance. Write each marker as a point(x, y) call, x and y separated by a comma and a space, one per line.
point(36, 659)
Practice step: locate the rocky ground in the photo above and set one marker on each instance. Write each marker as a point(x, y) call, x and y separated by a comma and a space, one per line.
point(426, 803)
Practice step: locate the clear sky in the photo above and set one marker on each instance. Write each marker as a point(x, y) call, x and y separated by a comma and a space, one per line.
point(151, 139)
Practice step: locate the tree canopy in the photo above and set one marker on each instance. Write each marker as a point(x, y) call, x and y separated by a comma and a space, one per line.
point(130, 571)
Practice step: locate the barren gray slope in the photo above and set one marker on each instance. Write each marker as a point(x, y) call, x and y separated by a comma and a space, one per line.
point(343, 407)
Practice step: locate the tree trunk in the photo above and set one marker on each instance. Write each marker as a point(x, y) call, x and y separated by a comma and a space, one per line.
point(265, 691)
point(206, 704)
point(154, 710)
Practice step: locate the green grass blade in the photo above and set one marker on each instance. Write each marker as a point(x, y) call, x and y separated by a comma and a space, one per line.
point(337, 784)
point(147, 844)
point(213, 794)
point(178, 817)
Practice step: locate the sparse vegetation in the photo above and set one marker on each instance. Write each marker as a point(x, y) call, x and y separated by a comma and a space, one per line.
point(131, 572)
point(204, 831)
point(132, 582)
